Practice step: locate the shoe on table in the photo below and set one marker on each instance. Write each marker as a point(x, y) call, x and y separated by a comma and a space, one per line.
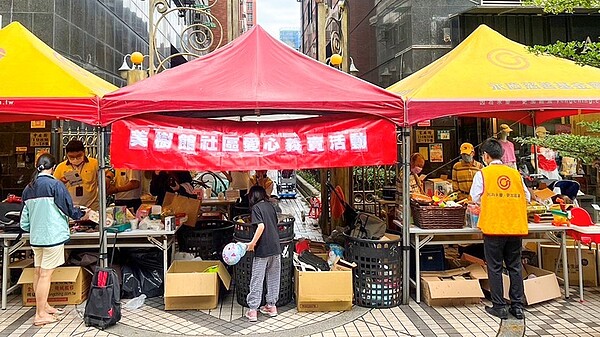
point(269, 310)
point(252, 315)
point(517, 312)
point(499, 312)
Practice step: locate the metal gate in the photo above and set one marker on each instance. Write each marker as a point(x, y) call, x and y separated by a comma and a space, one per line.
point(80, 131)
point(367, 184)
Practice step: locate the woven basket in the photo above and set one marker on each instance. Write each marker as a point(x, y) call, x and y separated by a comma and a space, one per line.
point(434, 217)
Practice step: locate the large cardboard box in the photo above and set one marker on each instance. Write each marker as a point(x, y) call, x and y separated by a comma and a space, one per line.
point(453, 287)
point(190, 286)
point(180, 204)
point(70, 285)
point(324, 290)
point(543, 287)
point(588, 263)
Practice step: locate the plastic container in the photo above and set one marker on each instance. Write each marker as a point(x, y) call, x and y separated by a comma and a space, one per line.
point(244, 230)
point(377, 277)
point(207, 239)
point(243, 273)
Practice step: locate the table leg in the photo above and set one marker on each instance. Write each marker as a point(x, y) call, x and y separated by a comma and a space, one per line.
point(417, 268)
point(165, 250)
point(580, 271)
point(539, 254)
point(5, 275)
point(563, 247)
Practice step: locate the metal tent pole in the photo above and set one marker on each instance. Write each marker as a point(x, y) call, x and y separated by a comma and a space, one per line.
point(405, 214)
point(101, 132)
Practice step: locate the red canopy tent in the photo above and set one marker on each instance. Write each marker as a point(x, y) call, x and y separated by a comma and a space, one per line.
point(255, 75)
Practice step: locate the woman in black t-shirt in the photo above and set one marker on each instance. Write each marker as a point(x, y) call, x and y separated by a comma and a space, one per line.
point(267, 255)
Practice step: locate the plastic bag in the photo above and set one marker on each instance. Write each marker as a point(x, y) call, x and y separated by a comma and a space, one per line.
point(135, 303)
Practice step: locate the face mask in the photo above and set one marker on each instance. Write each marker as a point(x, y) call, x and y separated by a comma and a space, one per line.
point(416, 170)
point(76, 162)
point(467, 157)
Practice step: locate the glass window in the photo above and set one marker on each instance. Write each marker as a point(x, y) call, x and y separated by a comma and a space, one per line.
point(249, 6)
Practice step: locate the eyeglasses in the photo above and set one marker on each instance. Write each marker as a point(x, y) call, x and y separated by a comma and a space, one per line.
point(76, 157)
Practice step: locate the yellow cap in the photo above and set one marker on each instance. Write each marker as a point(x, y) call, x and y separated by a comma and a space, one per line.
point(505, 128)
point(466, 148)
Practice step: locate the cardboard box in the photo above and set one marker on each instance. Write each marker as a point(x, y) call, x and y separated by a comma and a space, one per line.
point(452, 287)
point(179, 204)
point(543, 287)
point(70, 285)
point(324, 290)
point(588, 262)
point(437, 184)
point(189, 286)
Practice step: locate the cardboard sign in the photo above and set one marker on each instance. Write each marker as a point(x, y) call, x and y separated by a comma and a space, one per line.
point(180, 204)
point(436, 153)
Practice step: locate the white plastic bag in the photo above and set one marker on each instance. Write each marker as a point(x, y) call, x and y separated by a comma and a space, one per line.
point(135, 302)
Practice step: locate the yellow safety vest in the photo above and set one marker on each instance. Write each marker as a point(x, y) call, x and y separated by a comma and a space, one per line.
point(503, 202)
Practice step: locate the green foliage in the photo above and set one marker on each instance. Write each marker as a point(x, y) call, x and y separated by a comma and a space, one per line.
point(310, 177)
point(578, 51)
point(586, 148)
point(562, 6)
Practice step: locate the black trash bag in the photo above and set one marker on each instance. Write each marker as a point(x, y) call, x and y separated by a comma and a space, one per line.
point(137, 281)
point(83, 259)
point(145, 258)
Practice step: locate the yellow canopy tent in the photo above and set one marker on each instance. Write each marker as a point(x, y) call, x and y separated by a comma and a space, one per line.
point(38, 83)
point(488, 75)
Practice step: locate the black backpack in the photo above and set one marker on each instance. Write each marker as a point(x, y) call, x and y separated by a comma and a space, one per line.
point(103, 306)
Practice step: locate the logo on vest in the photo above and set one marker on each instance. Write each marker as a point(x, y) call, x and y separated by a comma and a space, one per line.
point(504, 182)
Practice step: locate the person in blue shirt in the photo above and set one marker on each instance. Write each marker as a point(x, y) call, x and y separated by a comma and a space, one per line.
point(47, 207)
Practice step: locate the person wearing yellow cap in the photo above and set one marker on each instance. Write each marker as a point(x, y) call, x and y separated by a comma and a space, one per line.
point(464, 171)
point(508, 158)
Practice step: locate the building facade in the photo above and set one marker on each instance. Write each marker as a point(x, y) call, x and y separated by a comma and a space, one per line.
point(291, 37)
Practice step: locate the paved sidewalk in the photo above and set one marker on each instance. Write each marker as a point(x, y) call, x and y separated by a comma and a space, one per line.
point(555, 318)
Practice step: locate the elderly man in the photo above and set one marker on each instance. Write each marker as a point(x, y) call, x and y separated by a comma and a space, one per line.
point(464, 170)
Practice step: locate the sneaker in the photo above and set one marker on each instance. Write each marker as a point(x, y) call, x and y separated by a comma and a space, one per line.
point(252, 315)
point(269, 310)
point(517, 312)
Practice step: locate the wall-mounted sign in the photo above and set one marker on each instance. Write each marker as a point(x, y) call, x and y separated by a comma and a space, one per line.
point(425, 136)
point(38, 124)
point(21, 149)
point(40, 151)
point(37, 139)
point(424, 123)
point(436, 153)
point(443, 134)
point(424, 151)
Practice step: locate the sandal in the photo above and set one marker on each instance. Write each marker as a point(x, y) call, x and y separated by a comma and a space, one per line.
point(59, 311)
point(46, 321)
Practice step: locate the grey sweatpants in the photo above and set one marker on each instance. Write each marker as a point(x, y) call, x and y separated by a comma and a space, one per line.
point(271, 266)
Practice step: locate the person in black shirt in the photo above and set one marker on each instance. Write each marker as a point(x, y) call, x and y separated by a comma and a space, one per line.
point(267, 255)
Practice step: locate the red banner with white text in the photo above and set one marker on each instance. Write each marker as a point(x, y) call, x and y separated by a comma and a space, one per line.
point(168, 143)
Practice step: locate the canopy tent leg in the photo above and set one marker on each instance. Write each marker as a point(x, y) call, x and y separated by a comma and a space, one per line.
point(405, 134)
point(102, 194)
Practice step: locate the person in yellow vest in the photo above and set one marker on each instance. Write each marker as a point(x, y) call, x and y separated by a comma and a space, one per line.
point(503, 221)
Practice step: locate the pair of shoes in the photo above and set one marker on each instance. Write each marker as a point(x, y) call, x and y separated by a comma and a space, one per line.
point(499, 312)
point(252, 315)
point(269, 310)
point(516, 312)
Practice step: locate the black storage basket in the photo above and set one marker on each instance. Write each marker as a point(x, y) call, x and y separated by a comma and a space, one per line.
point(207, 239)
point(243, 273)
point(377, 277)
point(244, 231)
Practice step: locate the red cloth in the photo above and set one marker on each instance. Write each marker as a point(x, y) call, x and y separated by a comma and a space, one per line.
point(337, 204)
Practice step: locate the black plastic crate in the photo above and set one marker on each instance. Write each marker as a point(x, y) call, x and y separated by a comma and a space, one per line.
point(245, 230)
point(377, 277)
point(243, 273)
point(207, 239)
